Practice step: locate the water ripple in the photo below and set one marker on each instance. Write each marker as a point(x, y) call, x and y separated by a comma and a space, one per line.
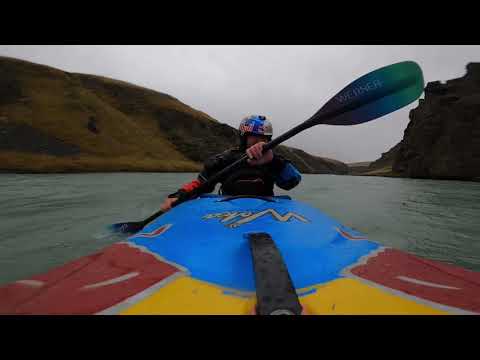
point(47, 220)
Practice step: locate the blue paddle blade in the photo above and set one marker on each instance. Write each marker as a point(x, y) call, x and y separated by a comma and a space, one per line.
point(373, 95)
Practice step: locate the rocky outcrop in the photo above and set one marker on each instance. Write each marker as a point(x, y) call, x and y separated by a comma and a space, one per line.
point(442, 140)
point(198, 140)
point(10, 89)
point(24, 138)
point(386, 160)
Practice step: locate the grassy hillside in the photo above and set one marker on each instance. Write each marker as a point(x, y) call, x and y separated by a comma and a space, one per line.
point(46, 106)
point(54, 121)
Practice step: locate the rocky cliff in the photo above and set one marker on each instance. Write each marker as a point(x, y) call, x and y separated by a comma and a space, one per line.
point(442, 139)
point(54, 121)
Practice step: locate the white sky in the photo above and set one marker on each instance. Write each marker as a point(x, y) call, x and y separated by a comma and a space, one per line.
point(288, 84)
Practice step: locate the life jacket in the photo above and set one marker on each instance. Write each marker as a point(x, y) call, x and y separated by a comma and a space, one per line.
point(245, 179)
point(248, 180)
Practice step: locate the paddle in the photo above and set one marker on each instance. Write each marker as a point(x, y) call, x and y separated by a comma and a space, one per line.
point(371, 96)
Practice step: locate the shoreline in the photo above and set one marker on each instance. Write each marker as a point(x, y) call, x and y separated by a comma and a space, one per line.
point(417, 178)
point(186, 171)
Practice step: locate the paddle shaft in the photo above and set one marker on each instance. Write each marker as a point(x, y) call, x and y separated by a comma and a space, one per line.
point(268, 146)
point(360, 94)
point(312, 121)
point(316, 119)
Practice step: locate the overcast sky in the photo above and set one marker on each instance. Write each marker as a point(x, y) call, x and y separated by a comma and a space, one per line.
point(288, 84)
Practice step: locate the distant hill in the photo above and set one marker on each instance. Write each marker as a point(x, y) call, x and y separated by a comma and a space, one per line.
point(55, 121)
point(361, 163)
point(358, 167)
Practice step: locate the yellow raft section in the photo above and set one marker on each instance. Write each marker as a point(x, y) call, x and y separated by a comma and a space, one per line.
point(346, 296)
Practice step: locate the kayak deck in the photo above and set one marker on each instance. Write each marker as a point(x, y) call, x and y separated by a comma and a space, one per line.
point(196, 260)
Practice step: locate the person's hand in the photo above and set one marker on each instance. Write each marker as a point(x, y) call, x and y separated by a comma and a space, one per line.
point(167, 204)
point(256, 157)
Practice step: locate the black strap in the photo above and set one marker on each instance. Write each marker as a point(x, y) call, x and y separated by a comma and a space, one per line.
point(276, 294)
point(233, 197)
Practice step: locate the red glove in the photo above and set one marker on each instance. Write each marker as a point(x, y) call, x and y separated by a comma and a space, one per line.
point(191, 185)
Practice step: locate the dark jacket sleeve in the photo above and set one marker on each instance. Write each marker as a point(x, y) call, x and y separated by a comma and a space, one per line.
point(210, 167)
point(285, 173)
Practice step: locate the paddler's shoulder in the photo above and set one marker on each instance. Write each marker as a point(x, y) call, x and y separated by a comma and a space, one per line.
point(227, 156)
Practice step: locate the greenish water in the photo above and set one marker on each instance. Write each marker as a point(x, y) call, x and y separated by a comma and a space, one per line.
point(48, 220)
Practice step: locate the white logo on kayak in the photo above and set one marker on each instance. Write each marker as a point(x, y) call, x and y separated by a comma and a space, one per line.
point(245, 217)
point(154, 233)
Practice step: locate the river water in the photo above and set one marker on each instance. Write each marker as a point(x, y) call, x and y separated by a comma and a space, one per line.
point(48, 220)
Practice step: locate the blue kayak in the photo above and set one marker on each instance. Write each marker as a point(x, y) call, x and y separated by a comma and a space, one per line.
point(197, 259)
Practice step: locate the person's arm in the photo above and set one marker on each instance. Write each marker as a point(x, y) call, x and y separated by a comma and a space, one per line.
point(210, 167)
point(285, 173)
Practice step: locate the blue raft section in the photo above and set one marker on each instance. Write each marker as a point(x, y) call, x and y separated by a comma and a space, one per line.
point(207, 236)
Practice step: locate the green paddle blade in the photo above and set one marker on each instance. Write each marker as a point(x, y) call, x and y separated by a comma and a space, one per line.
point(367, 98)
point(373, 95)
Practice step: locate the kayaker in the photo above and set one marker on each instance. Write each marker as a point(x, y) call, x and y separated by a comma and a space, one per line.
point(256, 177)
